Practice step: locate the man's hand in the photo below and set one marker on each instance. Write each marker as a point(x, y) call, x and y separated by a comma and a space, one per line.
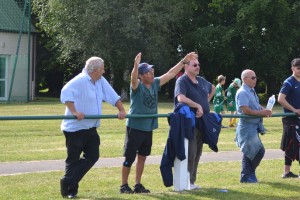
point(266, 113)
point(190, 56)
point(137, 59)
point(297, 111)
point(199, 112)
point(121, 114)
point(79, 115)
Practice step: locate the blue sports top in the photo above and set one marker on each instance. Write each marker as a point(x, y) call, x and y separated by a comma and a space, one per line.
point(291, 88)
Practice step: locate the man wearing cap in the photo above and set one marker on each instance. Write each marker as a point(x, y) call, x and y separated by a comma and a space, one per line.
point(219, 96)
point(288, 97)
point(231, 91)
point(144, 89)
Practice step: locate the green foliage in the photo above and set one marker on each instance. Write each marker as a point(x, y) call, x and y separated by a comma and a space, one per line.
point(263, 97)
point(113, 30)
point(229, 35)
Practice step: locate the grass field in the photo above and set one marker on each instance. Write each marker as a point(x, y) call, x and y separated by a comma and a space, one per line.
point(23, 140)
point(42, 140)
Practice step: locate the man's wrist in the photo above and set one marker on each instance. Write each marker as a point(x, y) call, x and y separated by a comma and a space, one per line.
point(184, 62)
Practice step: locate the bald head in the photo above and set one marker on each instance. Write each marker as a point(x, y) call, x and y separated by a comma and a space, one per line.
point(249, 78)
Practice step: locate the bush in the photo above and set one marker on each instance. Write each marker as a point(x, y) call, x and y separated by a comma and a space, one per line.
point(263, 98)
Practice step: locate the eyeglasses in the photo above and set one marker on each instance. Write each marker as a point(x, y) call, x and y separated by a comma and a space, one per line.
point(196, 65)
point(252, 78)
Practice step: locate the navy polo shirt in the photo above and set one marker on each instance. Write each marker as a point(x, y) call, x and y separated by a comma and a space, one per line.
point(197, 92)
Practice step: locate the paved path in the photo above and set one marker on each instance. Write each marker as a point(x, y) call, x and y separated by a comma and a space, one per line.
point(12, 168)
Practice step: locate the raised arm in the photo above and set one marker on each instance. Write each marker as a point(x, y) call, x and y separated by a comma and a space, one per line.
point(134, 73)
point(176, 69)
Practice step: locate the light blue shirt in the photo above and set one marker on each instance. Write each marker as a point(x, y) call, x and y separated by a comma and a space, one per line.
point(247, 137)
point(87, 98)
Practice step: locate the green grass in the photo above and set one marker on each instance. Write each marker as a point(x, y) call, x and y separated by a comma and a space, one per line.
point(43, 140)
point(23, 140)
point(103, 183)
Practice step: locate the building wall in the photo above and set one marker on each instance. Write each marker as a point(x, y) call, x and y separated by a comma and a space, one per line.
point(8, 49)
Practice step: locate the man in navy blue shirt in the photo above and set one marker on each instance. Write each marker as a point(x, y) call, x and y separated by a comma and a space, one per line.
point(288, 97)
point(196, 92)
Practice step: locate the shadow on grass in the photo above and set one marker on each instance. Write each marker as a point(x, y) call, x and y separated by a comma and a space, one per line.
point(214, 193)
point(211, 193)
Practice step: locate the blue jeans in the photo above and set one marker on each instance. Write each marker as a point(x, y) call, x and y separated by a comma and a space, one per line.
point(249, 166)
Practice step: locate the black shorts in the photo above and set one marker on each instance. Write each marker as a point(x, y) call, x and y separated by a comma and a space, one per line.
point(137, 141)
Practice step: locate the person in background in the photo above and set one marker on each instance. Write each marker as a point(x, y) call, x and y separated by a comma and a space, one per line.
point(144, 89)
point(196, 92)
point(231, 92)
point(83, 95)
point(289, 98)
point(219, 96)
point(248, 129)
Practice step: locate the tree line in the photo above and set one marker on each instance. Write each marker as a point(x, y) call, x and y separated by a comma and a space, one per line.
point(229, 36)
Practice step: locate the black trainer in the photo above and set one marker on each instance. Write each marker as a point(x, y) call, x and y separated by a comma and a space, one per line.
point(125, 189)
point(289, 175)
point(63, 187)
point(139, 188)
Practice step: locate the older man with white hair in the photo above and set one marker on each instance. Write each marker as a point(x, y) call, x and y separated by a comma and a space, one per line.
point(83, 95)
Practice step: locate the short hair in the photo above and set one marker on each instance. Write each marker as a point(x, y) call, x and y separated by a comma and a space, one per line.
point(93, 63)
point(295, 62)
point(221, 78)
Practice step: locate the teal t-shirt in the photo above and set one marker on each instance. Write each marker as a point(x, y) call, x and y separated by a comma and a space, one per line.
point(143, 101)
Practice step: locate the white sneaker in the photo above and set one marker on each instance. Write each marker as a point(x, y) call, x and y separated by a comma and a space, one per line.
point(194, 187)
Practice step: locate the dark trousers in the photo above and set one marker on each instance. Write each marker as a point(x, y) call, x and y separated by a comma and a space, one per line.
point(249, 166)
point(86, 142)
point(194, 154)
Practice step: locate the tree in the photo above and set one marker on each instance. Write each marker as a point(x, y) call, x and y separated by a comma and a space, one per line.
point(114, 30)
point(229, 35)
point(235, 35)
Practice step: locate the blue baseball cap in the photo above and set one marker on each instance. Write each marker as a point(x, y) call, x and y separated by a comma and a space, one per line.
point(144, 68)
